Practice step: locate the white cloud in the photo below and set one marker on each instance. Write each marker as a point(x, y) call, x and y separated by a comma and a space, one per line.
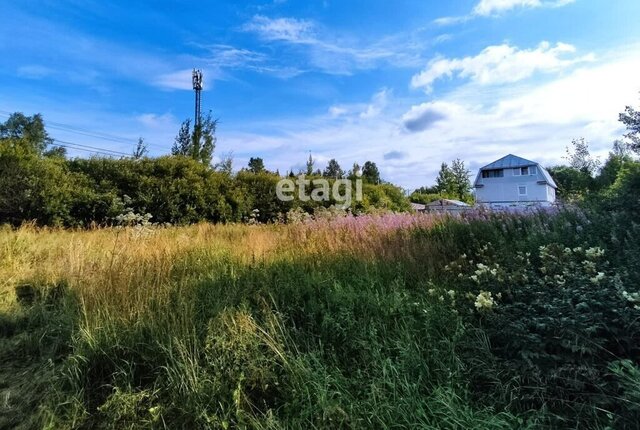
point(157, 121)
point(336, 54)
point(178, 80)
point(378, 102)
point(500, 64)
point(336, 111)
point(487, 8)
point(283, 29)
point(492, 7)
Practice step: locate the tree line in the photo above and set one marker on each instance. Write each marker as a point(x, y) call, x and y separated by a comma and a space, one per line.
point(38, 182)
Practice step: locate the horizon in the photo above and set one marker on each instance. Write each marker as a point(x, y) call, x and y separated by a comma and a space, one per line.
point(407, 87)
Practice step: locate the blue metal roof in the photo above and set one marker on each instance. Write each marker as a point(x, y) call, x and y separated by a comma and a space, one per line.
point(513, 162)
point(509, 162)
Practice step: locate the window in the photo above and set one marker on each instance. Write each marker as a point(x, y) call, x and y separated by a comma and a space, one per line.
point(522, 190)
point(496, 173)
point(525, 171)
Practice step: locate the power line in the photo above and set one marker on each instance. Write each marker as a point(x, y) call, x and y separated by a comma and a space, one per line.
point(95, 134)
point(88, 147)
point(87, 150)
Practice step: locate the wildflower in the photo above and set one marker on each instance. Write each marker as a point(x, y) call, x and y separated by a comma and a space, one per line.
point(441, 298)
point(599, 277)
point(432, 292)
point(633, 298)
point(484, 301)
point(589, 266)
point(594, 252)
point(451, 294)
point(474, 278)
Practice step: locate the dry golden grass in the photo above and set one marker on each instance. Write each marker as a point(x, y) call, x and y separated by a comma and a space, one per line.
point(123, 269)
point(112, 261)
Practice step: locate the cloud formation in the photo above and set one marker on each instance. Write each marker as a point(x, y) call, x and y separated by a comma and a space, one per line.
point(281, 29)
point(424, 116)
point(493, 7)
point(499, 64)
point(335, 54)
point(394, 155)
point(487, 8)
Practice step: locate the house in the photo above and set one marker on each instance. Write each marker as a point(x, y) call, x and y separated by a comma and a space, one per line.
point(514, 181)
point(418, 207)
point(447, 205)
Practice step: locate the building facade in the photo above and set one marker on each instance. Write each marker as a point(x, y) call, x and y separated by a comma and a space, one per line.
point(514, 181)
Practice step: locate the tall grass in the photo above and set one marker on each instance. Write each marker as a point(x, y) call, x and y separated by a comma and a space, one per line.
point(329, 324)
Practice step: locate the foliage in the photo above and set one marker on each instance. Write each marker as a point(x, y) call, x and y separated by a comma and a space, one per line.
point(333, 170)
point(573, 184)
point(256, 165)
point(370, 173)
point(580, 158)
point(631, 119)
point(24, 132)
point(198, 143)
point(141, 149)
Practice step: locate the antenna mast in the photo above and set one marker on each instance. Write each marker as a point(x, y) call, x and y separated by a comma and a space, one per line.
point(197, 87)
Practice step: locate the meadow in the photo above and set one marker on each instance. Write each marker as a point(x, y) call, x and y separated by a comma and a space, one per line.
point(377, 321)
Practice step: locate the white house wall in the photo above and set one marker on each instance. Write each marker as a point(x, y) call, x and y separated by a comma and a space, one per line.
point(505, 189)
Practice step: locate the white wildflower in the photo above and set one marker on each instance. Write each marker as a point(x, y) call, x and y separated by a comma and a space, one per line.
point(594, 252)
point(484, 301)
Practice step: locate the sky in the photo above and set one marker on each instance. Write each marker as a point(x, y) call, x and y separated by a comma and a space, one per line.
point(406, 84)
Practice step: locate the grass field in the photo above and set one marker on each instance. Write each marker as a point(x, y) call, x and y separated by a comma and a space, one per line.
point(394, 321)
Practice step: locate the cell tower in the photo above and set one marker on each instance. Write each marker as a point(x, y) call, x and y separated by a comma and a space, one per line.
point(197, 87)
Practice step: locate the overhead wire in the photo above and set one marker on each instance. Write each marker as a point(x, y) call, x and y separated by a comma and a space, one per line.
point(89, 133)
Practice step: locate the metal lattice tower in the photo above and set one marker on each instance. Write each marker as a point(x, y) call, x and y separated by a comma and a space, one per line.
point(197, 87)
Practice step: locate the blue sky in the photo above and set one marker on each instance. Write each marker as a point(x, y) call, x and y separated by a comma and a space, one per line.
point(406, 84)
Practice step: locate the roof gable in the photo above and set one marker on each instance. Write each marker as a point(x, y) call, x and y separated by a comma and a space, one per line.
point(509, 162)
point(513, 162)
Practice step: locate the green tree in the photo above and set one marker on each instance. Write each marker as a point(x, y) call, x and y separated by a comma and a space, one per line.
point(461, 183)
point(618, 158)
point(370, 173)
point(333, 170)
point(355, 172)
point(310, 163)
point(580, 158)
point(204, 139)
point(140, 150)
point(256, 165)
point(446, 182)
point(198, 144)
point(631, 119)
point(182, 143)
point(25, 131)
point(572, 184)
point(226, 164)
